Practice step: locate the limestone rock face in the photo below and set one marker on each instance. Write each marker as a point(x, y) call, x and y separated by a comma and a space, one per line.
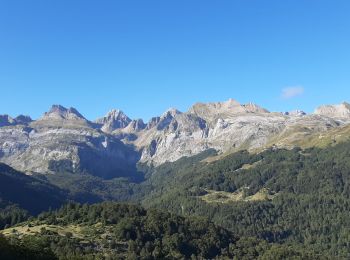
point(62, 140)
point(212, 111)
point(170, 136)
point(58, 112)
point(59, 116)
point(115, 119)
point(225, 126)
point(136, 125)
point(335, 111)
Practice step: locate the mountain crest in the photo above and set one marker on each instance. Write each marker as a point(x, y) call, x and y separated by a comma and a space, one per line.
point(171, 112)
point(337, 111)
point(254, 108)
point(22, 119)
point(136, 125)
point(60, 112)
point(113, 120)
point(6, 120)
point(212, 111)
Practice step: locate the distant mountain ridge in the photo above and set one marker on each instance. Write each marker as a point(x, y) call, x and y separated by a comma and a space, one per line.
point(64, 140)
point(6, 120)
point(336, 111)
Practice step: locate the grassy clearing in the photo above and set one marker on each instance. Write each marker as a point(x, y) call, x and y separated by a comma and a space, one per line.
point(231, 197)
point(31, 229)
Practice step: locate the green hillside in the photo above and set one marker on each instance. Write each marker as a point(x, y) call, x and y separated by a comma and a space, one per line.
point(276, 200)
point(120, 231)
point(22, 196)
point(286, 196)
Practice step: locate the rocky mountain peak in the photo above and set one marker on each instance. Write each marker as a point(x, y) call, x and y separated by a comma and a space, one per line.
point(115, 114)
point(114, 119)
point(62, 134)
point(152, 122)
point(212, 111)
point(171, 112)
point(167, 117)
point(229, 103)
point(335, 111)
point(254, 108)
point(136, 125)
point(60, 112)
point(6, 120)
point(22, 119)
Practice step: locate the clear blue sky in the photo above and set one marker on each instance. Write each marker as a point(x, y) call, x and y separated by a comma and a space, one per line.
point(145, 56)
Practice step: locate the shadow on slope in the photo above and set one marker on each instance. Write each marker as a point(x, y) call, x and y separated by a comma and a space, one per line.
point(27, 192)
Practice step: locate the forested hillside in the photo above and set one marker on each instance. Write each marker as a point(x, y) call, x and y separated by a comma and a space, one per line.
point(119, 231)
point(285, 196)
point(297, 198)
point(22, 196)
point(29, 193)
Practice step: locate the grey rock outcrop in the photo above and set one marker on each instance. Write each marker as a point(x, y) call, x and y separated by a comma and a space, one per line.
point(23, 120)
point(114, 119)
point(136, 125)
point(6, 120)
point(225, 126)
point(335, 111)
point(63, 140)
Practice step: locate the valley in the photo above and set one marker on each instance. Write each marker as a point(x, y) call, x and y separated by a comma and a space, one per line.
point(108, 188)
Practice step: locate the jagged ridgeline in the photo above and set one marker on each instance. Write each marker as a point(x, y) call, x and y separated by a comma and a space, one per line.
point(64, 141)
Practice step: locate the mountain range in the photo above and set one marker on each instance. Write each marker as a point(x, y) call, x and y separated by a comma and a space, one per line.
point(63, 140)
point(273, 185)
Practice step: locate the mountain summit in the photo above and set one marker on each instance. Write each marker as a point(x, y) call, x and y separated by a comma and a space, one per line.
point(114, 119)
point(63, 140)
point(6, 120)
point(60, 116)
point(338, 111)
point(229, 108)
point(60, 112)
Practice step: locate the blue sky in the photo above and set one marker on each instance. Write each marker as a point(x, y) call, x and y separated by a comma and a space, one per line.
point(145, 56)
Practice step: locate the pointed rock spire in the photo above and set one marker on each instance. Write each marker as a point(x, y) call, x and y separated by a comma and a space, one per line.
point(114, 119)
